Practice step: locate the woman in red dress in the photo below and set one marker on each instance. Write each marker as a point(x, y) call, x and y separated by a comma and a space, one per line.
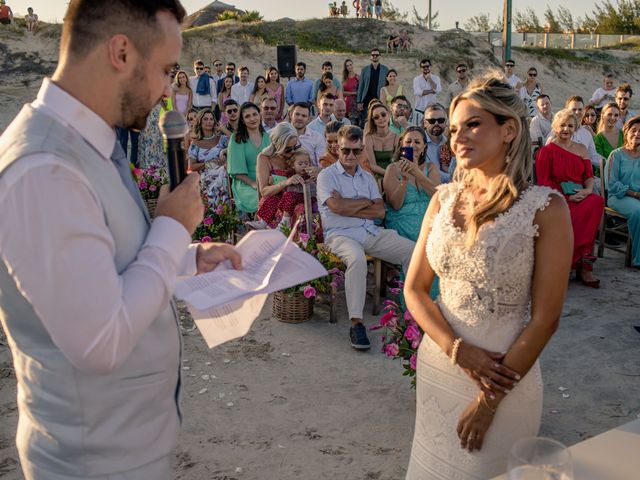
point(564, 165)
point(350, 81)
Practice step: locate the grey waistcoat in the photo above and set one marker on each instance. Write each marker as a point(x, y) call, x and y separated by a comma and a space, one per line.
point(73, 422)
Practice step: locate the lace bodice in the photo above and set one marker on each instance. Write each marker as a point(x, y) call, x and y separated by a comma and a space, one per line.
point(488, 285)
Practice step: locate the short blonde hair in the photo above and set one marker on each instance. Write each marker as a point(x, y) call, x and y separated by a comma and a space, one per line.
point(561, 117)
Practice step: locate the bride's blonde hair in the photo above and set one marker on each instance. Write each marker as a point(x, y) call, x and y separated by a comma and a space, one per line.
point(491, 93)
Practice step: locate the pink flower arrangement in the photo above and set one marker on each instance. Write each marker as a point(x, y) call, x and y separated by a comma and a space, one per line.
point(309, 291)
point(401, 335)
point(149, 180)
point(218, 224)
point(208, 221)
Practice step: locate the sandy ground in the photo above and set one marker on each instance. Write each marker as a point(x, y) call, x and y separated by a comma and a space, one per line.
point(295, 401)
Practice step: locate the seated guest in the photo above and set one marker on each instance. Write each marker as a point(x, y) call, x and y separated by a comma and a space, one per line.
point(379, 142)
point(405, 40)
point(530, 90)
point(589, 120)
point(204, 156)
point(325, 107)
point(584, 134)
point(409, 184)
point(31, 20)
point(340, 111)
point(564, 165)
point(231, 109)
point(274, 172)
point(609, 136)
point(269, 112)
point(540, 126)
point(331, 156)
point(311, 140)
point(244, 146)
point(605, 94)
point(400, 114)
point(624, 183)
point(438, 150)
point(349, 202)
point(623, 100)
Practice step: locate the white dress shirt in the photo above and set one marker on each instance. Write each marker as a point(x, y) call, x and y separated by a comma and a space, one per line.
point(420, 84)
point(540, 127)
point(583, 136)
point(241, 93)
point(202, 101)
point(513, 80)
point(601, 97)
point(55, 243)
point(314, 144)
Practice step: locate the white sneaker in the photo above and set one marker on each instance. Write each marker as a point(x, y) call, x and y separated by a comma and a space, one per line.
point(258, 224)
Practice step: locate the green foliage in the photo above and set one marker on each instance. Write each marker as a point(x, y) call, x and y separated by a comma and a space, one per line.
point(551, 22)
point(622, 18)
point(390, 12)
point(527, 21)
point(423, 22)
point(251, 16)
point(478, 23)
point(228, 15)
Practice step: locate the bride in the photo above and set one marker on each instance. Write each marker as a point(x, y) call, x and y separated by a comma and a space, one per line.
point(502, 250)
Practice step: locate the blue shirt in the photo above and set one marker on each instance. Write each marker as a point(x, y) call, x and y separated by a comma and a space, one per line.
point(299, 91)
point(433, 156)
point(359, 186)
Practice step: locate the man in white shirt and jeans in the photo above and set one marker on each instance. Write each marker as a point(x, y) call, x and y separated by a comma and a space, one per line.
point(425, 87)
point(204, 96)
point(241, 91)
point(86, 278)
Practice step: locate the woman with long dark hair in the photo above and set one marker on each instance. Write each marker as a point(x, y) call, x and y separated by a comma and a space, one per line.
point(276, 90)
point(244, 146)
point(350, 82)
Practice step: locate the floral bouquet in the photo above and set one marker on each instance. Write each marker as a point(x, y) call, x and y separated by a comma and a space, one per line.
point(150, 180)
point(402, 335)
point(218, 224)
point(322, 285)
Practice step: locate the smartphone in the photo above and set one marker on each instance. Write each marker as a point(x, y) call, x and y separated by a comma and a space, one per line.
point(406, 152)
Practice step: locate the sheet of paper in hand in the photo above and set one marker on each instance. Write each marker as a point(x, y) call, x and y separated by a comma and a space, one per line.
point(225, 302)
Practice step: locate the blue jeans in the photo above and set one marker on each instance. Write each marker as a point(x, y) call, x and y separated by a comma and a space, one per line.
point(123, 138)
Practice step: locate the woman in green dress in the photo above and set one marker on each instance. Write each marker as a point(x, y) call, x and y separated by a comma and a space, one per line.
point(609, 136)
point(379, 142)
point(409, 185)
point(245, 145)
point(624, 183)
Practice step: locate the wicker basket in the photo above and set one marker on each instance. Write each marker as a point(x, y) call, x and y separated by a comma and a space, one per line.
point(291, 307)
point(151, 206)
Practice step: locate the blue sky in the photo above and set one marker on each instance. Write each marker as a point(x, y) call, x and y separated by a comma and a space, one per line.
point(450, 10)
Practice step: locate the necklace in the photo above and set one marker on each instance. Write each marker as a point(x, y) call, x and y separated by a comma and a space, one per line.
point(209, 138)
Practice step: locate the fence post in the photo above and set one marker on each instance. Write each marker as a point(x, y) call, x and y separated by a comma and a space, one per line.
point(546, 39)
point(573, 40)
point(597, 40)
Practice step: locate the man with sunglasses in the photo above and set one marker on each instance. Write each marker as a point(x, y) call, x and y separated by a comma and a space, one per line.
point(434, 123)
point(349, 202)
point(371, 82)
point(623, 100)
point(218, 73)
point(511, 78)
point(461, 83)
point(425, 87)
point(229, 69)
point(400, 114)
point(268, 110)
point(203, 87)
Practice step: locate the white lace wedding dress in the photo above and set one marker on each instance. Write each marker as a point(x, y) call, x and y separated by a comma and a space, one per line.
point(485, 296)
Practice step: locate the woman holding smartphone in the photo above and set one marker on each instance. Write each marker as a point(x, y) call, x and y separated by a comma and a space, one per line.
point(409, 183)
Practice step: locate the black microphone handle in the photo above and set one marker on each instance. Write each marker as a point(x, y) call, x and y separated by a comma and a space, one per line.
point(176, 162)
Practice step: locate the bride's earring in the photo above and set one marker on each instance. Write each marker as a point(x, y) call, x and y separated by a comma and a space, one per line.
point(507, 159)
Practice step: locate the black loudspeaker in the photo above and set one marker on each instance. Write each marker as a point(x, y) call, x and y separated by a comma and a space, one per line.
point(287, 59)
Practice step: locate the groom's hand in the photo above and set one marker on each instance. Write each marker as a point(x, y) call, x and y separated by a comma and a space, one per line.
point(210, 255)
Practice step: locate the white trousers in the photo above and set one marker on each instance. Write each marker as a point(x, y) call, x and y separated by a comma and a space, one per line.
point(387, 246)
point(158, 470)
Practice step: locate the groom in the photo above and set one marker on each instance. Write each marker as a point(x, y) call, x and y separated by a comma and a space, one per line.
point(85, 278)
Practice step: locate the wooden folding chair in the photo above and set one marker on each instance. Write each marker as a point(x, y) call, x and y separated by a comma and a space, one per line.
point(618, 222)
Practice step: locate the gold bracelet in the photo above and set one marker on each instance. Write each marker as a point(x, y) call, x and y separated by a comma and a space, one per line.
point(454, 350)
point(482, 400)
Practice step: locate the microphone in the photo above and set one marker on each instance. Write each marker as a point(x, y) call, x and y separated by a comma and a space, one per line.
point(174, 128)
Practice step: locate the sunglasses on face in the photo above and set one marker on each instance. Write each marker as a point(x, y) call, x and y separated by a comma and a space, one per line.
point(533, 74)
point(217, 64)
point(509, 65)
point(375, 55)
point(379, 116)
point(348, 151)
point(433, 121)
point(269, 109)
point(292, 149)
point(199, 68)
point(231, 110)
